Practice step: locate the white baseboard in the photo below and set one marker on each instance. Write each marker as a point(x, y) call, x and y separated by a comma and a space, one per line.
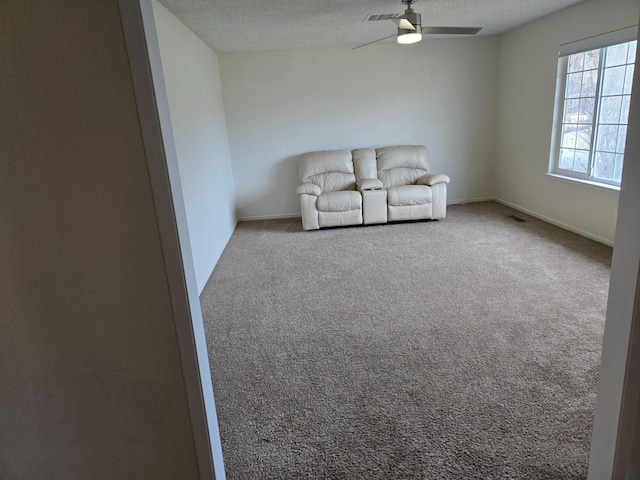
point(557, 223)
point(203, 283)
point(268, 217)
point(251, 218)
point(550, 220)
point(470, 200)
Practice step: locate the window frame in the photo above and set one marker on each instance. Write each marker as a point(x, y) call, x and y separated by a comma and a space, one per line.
point(603, 41)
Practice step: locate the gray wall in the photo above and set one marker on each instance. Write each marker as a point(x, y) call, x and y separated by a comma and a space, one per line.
point(90, 373)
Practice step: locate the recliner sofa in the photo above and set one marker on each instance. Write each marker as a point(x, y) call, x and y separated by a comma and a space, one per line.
point(369, 186)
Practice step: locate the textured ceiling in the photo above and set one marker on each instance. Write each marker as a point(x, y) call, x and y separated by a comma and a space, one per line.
point(250, 25)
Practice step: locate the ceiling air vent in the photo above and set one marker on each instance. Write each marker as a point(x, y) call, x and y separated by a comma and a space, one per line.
point(376, 17)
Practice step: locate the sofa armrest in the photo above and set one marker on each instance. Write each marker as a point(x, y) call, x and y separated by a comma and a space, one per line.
point(369, 184)
point(433, 179)
point(309, 189)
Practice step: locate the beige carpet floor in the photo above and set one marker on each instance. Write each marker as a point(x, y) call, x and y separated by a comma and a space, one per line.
point(458, 349)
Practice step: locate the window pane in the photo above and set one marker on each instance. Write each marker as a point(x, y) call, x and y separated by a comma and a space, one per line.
point(624, 111)
point(592, 59)
point(587, 110)
point(604, 164)
point(628, 80)
point(610, 109)
point(566, 159)
point(571, 111)
point(607, 138)
point(589, 83)
point(581, 162)
point(583, 137)
point(616, 55)
point(622, 138)
point(631, 56)
point(575, 62)
point(574, 85)
point(613, 83)
point(569, 136)
point(617, 169)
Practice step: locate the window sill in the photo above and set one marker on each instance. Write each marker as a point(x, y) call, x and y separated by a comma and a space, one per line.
point(586, 183)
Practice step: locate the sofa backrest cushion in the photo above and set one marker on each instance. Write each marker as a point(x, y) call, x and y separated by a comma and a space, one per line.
point(331, 170)
point(401, 165)
point(364, 163)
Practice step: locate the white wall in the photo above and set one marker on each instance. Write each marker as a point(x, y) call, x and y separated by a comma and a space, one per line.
point(194, 92)
point(441, 93)
point(527, 80)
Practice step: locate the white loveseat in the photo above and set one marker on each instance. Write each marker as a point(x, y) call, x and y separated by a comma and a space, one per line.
point(369, 186)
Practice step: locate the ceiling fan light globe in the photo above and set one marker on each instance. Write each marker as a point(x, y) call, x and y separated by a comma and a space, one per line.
point(408, 38)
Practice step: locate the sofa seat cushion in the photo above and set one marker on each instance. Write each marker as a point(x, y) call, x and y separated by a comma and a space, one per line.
point(339, 201)
point(408, 195)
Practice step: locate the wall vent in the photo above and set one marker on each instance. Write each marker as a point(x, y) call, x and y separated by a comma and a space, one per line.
point(376, 17)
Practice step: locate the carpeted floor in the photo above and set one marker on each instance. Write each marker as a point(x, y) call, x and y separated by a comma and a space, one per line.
point(458, 349)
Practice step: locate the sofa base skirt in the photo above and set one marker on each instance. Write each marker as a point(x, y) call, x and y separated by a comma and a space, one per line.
point(409, 212)
point(340, 219)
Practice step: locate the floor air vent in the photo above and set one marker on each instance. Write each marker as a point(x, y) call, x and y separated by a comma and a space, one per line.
point(517, 218)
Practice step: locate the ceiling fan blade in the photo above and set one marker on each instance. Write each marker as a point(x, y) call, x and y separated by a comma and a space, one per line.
point(375, 17)
point(378, 40)
point(451, 30)
point(403, 23)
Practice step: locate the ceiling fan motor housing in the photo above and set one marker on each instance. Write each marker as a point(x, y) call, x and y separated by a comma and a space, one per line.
point(415, 19)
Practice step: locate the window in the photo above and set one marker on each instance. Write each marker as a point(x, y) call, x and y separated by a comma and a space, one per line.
point(592, 107)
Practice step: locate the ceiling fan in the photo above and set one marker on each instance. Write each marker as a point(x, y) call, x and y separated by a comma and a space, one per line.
point(410, 29)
